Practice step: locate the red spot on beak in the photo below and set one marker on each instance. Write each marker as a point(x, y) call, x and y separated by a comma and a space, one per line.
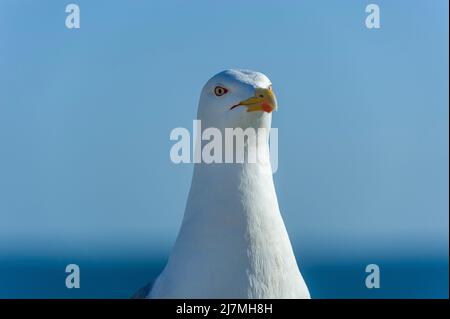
point(266, 107)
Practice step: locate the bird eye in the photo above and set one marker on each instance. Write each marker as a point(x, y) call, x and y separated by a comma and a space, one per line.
point(219, 90)
point(270, 87)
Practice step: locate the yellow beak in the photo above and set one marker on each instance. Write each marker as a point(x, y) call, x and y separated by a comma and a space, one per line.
point(263, 100)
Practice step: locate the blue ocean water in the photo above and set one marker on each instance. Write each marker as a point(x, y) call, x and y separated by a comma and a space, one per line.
point(120, 277)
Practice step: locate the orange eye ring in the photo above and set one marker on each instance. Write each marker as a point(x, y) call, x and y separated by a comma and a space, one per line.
point(220, 90)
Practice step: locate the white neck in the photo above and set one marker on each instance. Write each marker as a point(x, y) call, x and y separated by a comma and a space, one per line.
point(232, 242)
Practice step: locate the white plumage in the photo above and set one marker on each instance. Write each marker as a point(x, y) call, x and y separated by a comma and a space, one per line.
point(232, 242)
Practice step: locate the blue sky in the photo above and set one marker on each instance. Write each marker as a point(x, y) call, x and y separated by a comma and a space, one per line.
point(85, 118)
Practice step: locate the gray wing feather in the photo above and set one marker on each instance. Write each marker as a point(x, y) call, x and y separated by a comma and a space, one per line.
point(143, 292)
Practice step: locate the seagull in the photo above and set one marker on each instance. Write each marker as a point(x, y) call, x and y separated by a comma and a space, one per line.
point(232, 242)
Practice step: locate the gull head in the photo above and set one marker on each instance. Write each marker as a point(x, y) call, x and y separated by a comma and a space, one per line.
point(237, 98)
